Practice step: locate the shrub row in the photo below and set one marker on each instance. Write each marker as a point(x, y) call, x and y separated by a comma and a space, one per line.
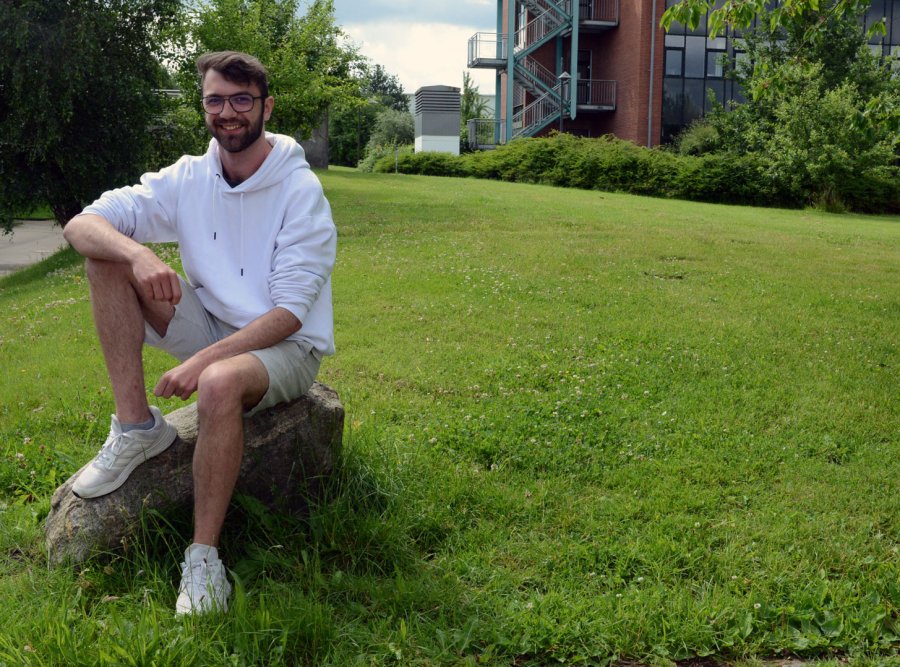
point(612, 164)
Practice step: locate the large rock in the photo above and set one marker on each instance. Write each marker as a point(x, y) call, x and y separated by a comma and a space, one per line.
point(287, 451)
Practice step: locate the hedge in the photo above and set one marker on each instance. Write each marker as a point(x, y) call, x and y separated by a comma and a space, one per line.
point(611, 164)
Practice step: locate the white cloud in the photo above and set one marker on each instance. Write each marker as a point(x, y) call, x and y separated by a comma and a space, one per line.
point(420, 54)
point(455, 12)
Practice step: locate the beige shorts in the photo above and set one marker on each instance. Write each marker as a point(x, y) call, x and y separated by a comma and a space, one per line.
point(292, 369)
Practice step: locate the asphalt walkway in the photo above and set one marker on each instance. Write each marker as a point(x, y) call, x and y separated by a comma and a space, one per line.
point(29, 242)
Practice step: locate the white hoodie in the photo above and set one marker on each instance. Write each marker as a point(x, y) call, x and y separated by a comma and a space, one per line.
point(269, 241)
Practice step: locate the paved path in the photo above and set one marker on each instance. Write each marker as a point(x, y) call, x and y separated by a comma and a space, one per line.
point(30, 242)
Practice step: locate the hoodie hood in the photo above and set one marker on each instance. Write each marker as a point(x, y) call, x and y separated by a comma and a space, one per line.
point(286, 156)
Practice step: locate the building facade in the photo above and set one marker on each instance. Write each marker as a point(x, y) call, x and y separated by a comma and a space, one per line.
point(595, 67)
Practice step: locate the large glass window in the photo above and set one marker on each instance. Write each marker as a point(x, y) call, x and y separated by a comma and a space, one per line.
point(718, 89)
point(674, 59)
point(715, 63)
point(894, 27)
point(694, 94)
point(694, 57)
point(673, 102)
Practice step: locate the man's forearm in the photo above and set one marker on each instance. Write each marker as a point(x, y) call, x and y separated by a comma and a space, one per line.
point(265, 331)
point(92, 236)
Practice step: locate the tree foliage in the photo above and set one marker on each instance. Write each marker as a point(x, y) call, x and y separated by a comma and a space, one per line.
point(811, 14)
point(823, 113)
point(472, 104)
point(78, 90)
point(383, 88)
point(393, 128)
point(351, 122)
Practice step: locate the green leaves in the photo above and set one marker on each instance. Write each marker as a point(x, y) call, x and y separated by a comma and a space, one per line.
point(309, 66)
point(740, 14)
point(78, 80)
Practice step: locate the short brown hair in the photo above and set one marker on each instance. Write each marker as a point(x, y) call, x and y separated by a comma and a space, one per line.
point(235, 67)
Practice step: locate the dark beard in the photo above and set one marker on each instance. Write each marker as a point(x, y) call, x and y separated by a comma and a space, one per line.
point(237, 143)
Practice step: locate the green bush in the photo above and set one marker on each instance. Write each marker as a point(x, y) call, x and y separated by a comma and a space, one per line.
point(178, 131)
point(426, 164)
point(698, 138)
point(376, 153)
point(730, 179)
point(875, 190)
point(608, 163)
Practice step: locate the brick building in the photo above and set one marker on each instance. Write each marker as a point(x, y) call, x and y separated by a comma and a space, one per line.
point(594, 67)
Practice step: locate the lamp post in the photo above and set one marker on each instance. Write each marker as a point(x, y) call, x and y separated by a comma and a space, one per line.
point(564, 80)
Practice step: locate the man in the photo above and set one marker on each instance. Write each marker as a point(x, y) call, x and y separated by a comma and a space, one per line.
point(251, 322)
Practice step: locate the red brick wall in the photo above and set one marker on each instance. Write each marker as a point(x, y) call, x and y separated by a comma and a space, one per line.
point(623, 54)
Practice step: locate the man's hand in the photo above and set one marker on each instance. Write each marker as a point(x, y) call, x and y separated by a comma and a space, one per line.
point(156, 280)
point(182, 380)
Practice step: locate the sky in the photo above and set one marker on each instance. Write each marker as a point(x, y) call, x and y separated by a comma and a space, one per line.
point(423, 42)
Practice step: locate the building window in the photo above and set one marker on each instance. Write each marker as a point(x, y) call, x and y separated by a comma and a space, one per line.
point(674, 58)
point(694, 57)
point(715, 64)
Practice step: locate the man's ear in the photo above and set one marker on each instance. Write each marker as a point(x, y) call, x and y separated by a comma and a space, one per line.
point(268, 105)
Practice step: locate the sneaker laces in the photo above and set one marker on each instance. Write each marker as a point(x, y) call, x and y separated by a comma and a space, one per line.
point(110, 450)
point(195, 578)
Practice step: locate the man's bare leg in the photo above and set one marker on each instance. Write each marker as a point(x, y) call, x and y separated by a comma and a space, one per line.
point(226, 389)
point(119, 315)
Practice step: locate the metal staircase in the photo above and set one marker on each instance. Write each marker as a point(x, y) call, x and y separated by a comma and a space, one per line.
point(547, 25)
point(548, 20)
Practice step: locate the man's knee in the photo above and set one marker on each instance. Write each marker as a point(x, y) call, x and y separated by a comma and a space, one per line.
point(219, 387)
point(232, 384)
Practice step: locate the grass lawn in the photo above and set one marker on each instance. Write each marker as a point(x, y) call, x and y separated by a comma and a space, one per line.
point(581, 427)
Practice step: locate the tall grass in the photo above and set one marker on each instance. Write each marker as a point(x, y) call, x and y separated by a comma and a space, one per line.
point(581, 427)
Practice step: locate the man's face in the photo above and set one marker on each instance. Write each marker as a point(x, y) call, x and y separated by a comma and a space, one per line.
point(233, 130)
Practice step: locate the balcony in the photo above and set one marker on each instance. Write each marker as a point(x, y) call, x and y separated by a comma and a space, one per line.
point(598, 15)
point(485, 133)
point(488, 50)
point(596, 95)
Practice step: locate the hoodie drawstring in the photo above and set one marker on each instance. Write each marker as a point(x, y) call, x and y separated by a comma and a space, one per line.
point(215, 193)
point(242, 234)
point(216, 219)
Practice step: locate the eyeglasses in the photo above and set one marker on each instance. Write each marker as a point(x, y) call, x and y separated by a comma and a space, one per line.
point(241, 102)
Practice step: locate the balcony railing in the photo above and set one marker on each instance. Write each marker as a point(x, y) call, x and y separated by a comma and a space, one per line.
point(485, 133)
point(597, 93)
point(487, 49)
point(604, 11)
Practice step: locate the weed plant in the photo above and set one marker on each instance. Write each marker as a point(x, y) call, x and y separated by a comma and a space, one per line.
point(581, 428)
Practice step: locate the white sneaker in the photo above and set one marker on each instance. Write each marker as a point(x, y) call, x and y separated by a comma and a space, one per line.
point(121, 454)
point(204, 585)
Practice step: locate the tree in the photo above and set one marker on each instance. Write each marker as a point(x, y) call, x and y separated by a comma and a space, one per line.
point(384, 88)
point(822, 113)
point(351, 122)
point(812, 14)
point(78, 82)
point(472, 104)
point(309, 66)
point(393, 128)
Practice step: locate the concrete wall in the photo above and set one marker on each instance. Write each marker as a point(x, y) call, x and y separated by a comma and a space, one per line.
point(316, 146)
